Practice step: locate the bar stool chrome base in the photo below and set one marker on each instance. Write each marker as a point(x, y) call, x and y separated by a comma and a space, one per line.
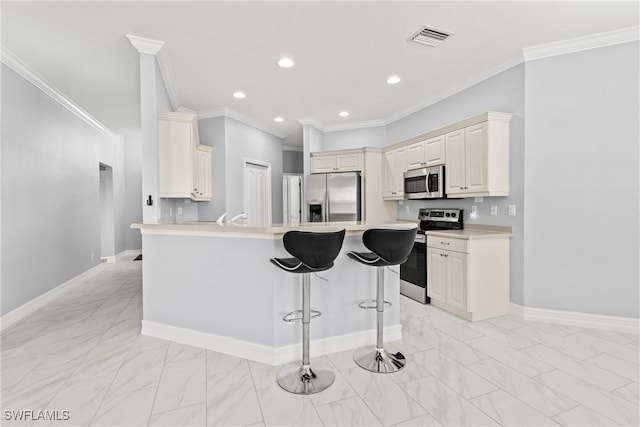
point(379, 360)
point(304, 380)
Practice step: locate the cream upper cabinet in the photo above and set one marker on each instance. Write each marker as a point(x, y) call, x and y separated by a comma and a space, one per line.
point(416, 155)
point(394, 167)
point(434, 151)
point(179, 166)
point(326, 163)
point(477, 160)
point(469, 278)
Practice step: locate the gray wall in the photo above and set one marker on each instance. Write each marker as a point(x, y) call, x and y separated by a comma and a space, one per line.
point(312, 140)
point(246, 142)
point(50, 192)
point(212, 133)
point(504, 93)
point(232, 143)
point(355, 138)
point(582, 191)
point(132, 211)
point(292, 162)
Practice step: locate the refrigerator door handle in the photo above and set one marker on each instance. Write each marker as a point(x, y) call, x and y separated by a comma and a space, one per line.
point(326, 206)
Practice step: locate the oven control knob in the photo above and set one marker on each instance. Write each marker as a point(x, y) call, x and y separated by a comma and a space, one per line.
point(453, 214)
point(447, 214)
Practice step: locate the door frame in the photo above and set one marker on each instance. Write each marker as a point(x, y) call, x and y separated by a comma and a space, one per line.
point(248, 161)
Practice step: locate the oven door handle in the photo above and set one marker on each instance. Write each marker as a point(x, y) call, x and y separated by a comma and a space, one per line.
point(428, 183)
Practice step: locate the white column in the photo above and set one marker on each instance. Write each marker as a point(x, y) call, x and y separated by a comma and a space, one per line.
point(148, 50)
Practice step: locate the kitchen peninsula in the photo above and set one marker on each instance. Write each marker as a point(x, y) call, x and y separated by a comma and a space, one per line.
point(213, 286)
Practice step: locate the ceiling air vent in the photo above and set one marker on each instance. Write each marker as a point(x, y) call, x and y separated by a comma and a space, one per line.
point(430, 36)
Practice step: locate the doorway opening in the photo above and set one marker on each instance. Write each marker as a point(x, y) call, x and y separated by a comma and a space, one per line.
point(107, 227)
point(257, 192)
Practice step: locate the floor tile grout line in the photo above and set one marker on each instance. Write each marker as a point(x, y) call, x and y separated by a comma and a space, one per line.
point(255, 390)
point(155, 396)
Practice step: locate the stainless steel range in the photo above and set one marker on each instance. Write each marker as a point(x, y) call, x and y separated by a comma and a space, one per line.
point(413, 273)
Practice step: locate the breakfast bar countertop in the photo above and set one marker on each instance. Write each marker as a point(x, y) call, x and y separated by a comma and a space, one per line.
point(271, 231)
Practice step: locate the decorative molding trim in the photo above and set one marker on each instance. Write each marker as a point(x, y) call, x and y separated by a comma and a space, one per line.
point(478, 78)
point(573, 318)
point(186, 110)
point(578, 44)
point(167, 76)
point(232, 114)
point(143, 45)
point(311, 121)
point(355, 125)
point(260, 352)
point(18, 314)
point(12, 61)
point(291, 148)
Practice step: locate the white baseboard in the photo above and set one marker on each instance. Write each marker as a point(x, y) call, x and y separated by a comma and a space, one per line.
point(262, 353)
point(130, 252)
point(572, 318)
point(17, 314)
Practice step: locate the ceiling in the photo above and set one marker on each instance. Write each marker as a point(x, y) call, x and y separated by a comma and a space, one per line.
point(343, 52)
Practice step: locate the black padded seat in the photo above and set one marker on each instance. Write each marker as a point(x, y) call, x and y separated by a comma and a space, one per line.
point(312, 252)
point(388, 247)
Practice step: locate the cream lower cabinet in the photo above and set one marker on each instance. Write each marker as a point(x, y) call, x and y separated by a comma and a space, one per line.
point(469, 277)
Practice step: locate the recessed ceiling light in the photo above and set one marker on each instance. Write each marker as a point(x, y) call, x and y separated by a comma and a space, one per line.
point(279, 119)
point(393, 80)
point(239, 95)
point(285, 63)
point(343, 113)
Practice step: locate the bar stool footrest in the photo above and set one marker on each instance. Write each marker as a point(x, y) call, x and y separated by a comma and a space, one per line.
point(372, 304)
point(297, 316)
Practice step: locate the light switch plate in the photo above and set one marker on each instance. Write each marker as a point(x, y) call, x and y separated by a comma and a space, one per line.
point(494, 210)
point(512, 210)
point(407, 209)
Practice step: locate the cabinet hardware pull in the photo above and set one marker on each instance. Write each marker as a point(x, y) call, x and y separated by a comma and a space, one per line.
point(445, 243)
point(446, 255)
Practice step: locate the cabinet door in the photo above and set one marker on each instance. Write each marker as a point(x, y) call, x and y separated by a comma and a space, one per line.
point(434, 151)
point(349, 162)
point(175, 158)
point(400, 155)
point(435, 274)
point(388, 174)
point(415, 155)
point(456, 280)
point(204, 174)
point(476, 157)
point(323, 164)
point(456, 160)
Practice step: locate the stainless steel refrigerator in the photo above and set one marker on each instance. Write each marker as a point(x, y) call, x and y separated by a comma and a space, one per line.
point(333, 197)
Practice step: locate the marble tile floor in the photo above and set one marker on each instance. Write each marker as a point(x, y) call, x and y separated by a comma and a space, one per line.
point(84, 354)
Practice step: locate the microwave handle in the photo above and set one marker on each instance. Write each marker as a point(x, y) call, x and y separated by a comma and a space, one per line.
point(427, 182)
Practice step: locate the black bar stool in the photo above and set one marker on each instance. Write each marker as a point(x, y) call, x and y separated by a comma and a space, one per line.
point(313, 252)
point(388, 247)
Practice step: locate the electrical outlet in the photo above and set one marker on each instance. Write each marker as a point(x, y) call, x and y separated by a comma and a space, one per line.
point(512, 210)
point(474, 209)
point(93, 256)
point(407, 209)
point(179, 210)
point(494, 210)
point(170, 211)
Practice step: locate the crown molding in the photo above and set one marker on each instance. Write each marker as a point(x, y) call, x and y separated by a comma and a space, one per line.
point(291, 148)
point(143, 45)
point(185, 110)
point(12, 61)
point(304, 121)
point(167, 76)
point(578, 44)
point(474, 80)
point(355, 125)
point(232, 114)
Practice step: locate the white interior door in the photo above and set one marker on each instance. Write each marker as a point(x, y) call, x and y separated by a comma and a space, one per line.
point(257, 192)
point(107, 230)
point(292, 199)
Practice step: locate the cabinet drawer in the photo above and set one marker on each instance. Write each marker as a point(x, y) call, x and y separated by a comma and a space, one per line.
point(457, 245)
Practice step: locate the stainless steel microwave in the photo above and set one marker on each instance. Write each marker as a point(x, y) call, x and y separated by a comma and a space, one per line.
point(424, 183)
